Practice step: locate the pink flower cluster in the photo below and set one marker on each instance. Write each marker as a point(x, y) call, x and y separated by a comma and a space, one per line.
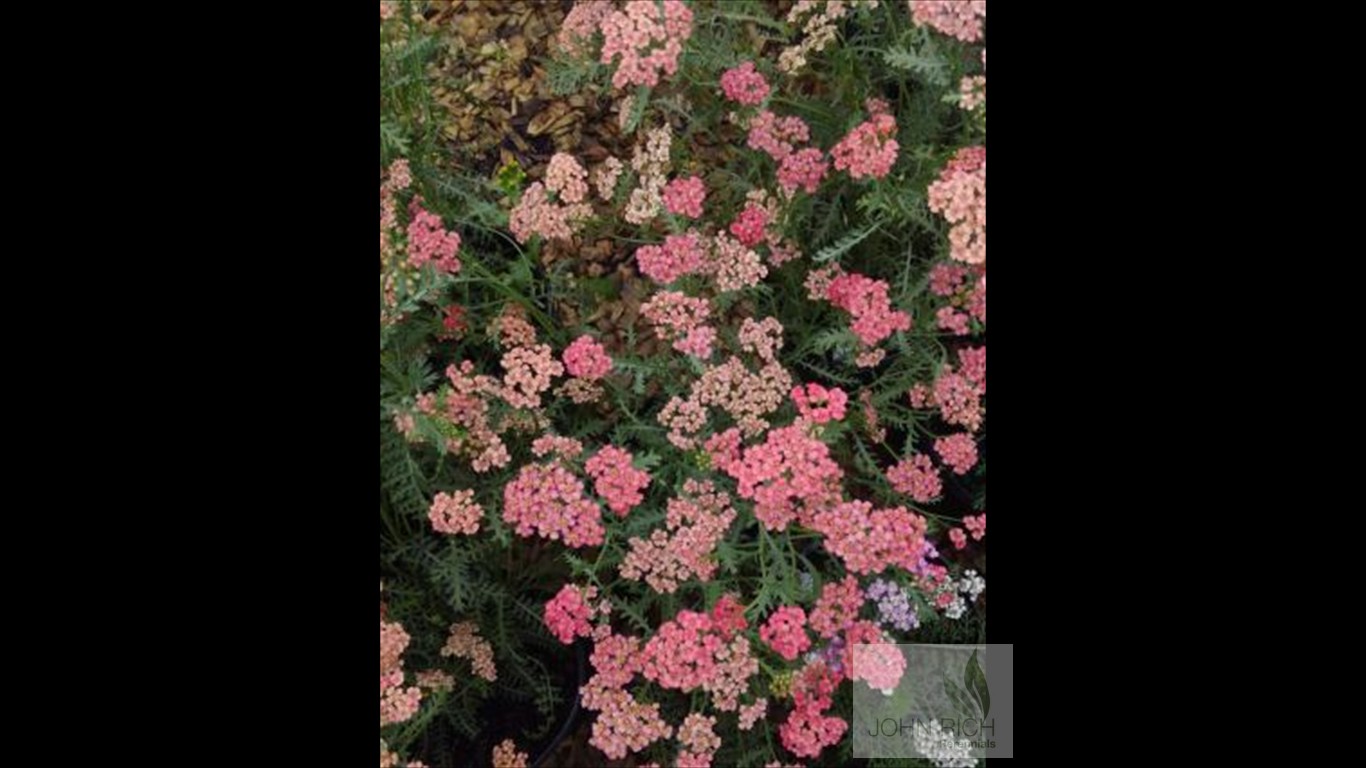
point(956, 18)
point(688, 653)
point(565, 447)
point(959, 399)
point(744, 85)
point(396, 703)
point(623, 724)
point(546, 499)
point(464, 642)
point(746, 396)
point(818, 404)
point(679, 255)
point(790, 474)
point(867, 301)
point(777, 136)
point(696, 522)
point(749, 226)
point(615, 480)
point(734, 266)
point(682, 654)
point(580, 23)
point(808, 730)
point(728, 615)
point(456, 513)
point(869, 149)
point(917, 478)
point(752, 713)
point(632, 34)
point(805, 168)
point(568, 613)
point(880, 664)
point(958, 451)
point(960, 196)
point(683, 197)
point(684, 418)
point(585, 358)
point(958, 538)
point(977, 526)
point(785, 632)
point(537, 214)
point(837, 608)
point(762, 337)
point(699, 739)
point(428, 241)
point(972, 91)
point(465, 407)
point(529, 371)
point(871, 540)
point(506, 755)
point(682, 318)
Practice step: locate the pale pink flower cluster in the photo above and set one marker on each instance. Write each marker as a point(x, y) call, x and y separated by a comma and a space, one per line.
point(632, 34)
point(789, 475)
point(916, 477)
point(506, 754)
point(951, 320)
point(567, 614)
point(819, 405)
point(696, 522)
point(734, 266)
point(566, 178)
point(566, 448)
point(528, 374)
point(973, 364)
point(972, 91)
point(456, 513)
point(808, 730)
point(398, 178)
point(435, 680)
point(699, 739)
point(546, 500)
point(465, 643)
point(396, 703)
point(752, 713)
point(776, 136)
point(683, 197)
point(723, 449)
point(956, 18)
point(880, 664)
point(428, 240)
point(958, 451)
point(804, 169)
point(681, 319)
point(763, 337)
point(684, 418)
point(877, 662)
point(785, 632)
point(869, 149)
point(678, 256)
point(585, 358)
point(977, 526)
point(745, 396)
point(819, 280)
point(537, 214)
point(959, 399)
point(744, 85)
point(837, 608)
point(818, 31)
point(867, 301)
point(605, 178)
point(960, 196)
point(615, 480)
point(512, 329)
point(651, 164)
point(465, 406)
point(584, 19)
point(871, 540)
point(387, 9)
point(625, 725)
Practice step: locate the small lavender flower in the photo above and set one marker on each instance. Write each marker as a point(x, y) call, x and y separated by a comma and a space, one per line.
point(893, 605)
point(806, 581)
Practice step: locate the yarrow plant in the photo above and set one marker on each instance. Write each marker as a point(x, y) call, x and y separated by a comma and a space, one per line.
point(683, 372)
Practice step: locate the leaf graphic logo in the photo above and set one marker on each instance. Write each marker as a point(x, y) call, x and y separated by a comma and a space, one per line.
point(972, 697)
